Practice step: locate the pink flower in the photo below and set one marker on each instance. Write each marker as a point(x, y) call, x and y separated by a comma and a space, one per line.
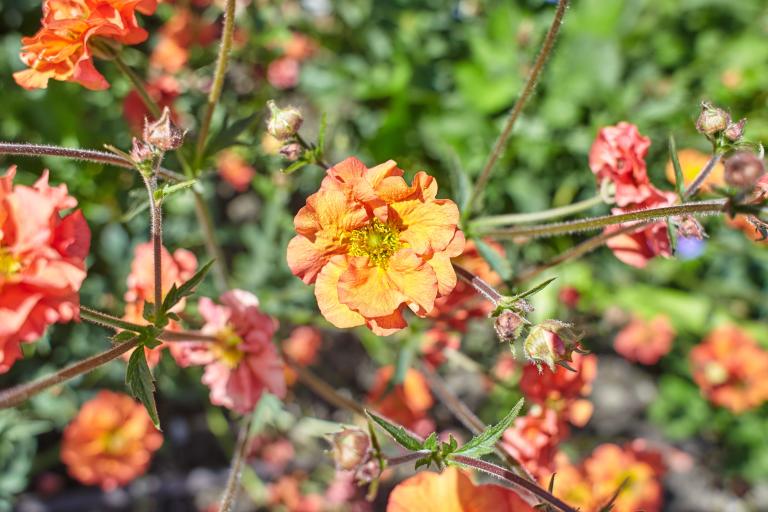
point(42, 261)
point(244, 362)
point(283, 73)
point(645, 341)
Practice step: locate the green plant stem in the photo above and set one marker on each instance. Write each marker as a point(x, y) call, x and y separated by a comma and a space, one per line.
point(704, 173)
point(229, 497)
point(592, 223)
point(18, 394)
point(480, 286)
point(322, 388)
point(513, 479)
point(553, 213)
point(156, 233)
point(138, 84)
point(109, 321)
point(306, 145)
point(219, 269)
point(517, 108)
point(218, 79)
point(405, 459)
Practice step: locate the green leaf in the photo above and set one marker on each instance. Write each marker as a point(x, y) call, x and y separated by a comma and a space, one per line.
point(321, 136)
point(186, 289)
point(679, 179)
point(485, 442)
point(398, 433)
point(123, 336)
point(168, 190)
point(535, 289)
point(140, 382)
point(228, 136)
point(497, 262)
point(295, 166)
point(430, 443)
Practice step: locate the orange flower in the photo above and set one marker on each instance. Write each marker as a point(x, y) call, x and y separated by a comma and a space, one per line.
point(235, 170)
point(406, 403)
point(730, 369)
point(532, 439)
point(452, 491)
point(182, 31)
point(110, 442)
point(373, 244)
point(691, 162)
point(742, 223)
point(301, 346)
point(645, 341)
point(61, 48)
point(42, 261)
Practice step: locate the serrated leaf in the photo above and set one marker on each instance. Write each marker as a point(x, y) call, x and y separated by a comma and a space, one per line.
point(175, 294)
point(498, 263)
point(398, 433)
point(485, 442)
point(141, 384)
point(123, 336)
point(535, 289)
point(430, 443)
point(679, 179)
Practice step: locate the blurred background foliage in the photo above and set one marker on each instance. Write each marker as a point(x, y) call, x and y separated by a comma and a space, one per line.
point(426, 83)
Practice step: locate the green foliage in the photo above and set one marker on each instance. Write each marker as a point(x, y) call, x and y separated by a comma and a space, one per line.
point(485, 442)
point(139, 379)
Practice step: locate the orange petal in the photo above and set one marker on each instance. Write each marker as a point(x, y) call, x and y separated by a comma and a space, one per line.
point(326, 291)
point(386, 325)
point(306, 259)
point(427, 226)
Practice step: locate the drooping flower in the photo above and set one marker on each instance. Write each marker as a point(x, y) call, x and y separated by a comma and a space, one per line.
point(235, 170)
point(243, 363)
point(452, 491)
point(645, 341)
point(373, 245)
point(62, 48)
point(301, 346)
point(110, 442)
point(692, 161)
point(406, 403)
point(42, 261)
point(730, 369)
point(163, 90)
point(533, 439)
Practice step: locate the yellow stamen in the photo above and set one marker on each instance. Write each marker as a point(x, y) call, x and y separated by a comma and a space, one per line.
point(9, 264)
point(227, 348)
point(378, 240)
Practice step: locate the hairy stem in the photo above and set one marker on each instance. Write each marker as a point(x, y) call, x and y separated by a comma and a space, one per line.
point(480, 286)
point(322, 388)
point(229, 497)
point(405, 459)
point(18, 394)
point(560, 228)
point(704, 173)
point(513, 479)
point(218, 79)
point(109, 321)
point(156, 232)
point(517, 108)
point(553, 213)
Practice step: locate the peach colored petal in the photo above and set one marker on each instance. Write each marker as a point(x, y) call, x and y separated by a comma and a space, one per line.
point(427, 226)
point(327, 293)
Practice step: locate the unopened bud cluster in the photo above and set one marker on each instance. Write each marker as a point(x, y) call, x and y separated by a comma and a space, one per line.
point(351, 451)
point(714, 122)
point(158, 137)
point(283, 123)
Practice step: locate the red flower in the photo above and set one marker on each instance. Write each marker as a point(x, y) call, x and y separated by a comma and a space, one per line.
point(235, 170)
point(283, 73)
point(163, 90)
point(406, 403)
point(435, 342)
point(42, 261)
point(533, 439)
point(645, 341)
point(182, 31)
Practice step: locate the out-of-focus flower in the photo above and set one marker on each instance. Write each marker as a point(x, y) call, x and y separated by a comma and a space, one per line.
point(533, 439)
point(350, 448)
point(463, 303)
point(302, 347)
point(452, 491)
point(275, 453)
point(244, 362)
point(235, 170)
point(42, 261)
point(743, 169)
point(110, 442)
point(286, 494)
point(406, 403)
point(298, 46)
point(743, 224)
point(689, 248)
point(645, 341)
point(181, 32)
point(569, 296)
point(435, 342)
point(506, 366)
point(374, 245)
point(730, 369)
point(63, 48)
point(563, 389)
point(283, 73)
point(692, 161)
point(163, 90)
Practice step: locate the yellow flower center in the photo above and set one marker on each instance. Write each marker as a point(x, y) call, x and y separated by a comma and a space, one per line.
point(114, 442)
point(227, 348)
point(715, 373)
point(9, 264)
point(378, 240)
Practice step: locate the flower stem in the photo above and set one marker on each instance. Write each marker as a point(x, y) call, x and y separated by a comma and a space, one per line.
point(18, 394)
point(322, 388)
point(560, 228)
point(218, 79)
point(704, 173)
point(513, 479)
point(405, 459)
point(553, 213)
point(229, 497)
point(306, 145)
point(480, 286)
point(137, 82)
point(211, 243)
point(517, 108)
point(109, 321)
point(156, 233)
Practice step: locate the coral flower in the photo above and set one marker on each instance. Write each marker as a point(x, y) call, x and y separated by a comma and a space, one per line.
point(373, 245)
point(645, 341)
point(243, 363)
point(235, 170)
point(532, 439)
point(692, 161)
point(181, 32)
point(110, 442)
point(452, 491)
point(283, 73)
point(42, 261)
point(406, 403)
point(61, 49)
point(730, 369)
point(163, 90)
point(301, 346)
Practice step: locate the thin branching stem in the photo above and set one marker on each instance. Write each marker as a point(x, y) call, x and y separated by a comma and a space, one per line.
point(322, 388)
point(704, 173)
point(480, 286)
point(219, 269)
point(592, 223)
point(517, 108)
point(229, 497)
point(138, 84)
point(112, 322)
point(552, 213)
point(405, 459)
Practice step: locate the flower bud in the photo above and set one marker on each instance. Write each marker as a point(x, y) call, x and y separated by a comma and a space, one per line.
point(283, 123)
point(509, 325)
point(735, 131)
point(712, 119)
point(689, 227)
point(552, 342)
point(291, 151)
point(743, 169)
point(350, 448)
point(140, 152)
point(163, 134)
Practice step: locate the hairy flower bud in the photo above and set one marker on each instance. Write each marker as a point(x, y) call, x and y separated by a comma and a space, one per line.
point(351, 448)
point(283, 123)
point(743, 169)
point(509, 325)
point(552, 342)
point(735, 131)
point(291, 151)
point(689, 227)
point(712, 119)
point(141, 152)
point(162, 133)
